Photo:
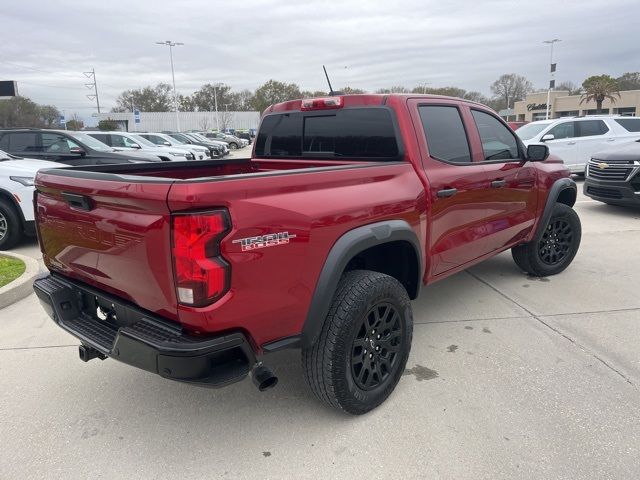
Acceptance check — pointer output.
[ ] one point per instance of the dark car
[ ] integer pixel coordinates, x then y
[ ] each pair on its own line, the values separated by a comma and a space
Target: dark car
72, 148
613, 176
244, 134
216, 149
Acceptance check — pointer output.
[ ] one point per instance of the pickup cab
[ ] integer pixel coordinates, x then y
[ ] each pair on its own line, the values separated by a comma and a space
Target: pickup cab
348, 207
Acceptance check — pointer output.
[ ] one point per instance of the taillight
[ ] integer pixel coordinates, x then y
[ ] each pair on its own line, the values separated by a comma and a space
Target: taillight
202, 275
326, 103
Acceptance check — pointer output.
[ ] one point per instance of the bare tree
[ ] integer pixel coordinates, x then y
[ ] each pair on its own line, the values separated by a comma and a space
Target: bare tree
510, 88
204, 124
226, 119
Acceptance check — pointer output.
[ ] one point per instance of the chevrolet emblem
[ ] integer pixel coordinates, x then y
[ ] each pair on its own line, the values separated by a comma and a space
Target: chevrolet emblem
602, 165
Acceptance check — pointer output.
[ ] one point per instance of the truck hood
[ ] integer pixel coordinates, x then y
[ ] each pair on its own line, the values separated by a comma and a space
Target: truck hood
628, 151
26, 166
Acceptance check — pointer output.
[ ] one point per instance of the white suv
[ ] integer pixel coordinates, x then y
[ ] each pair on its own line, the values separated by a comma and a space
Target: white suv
124, 141
16, 196
576, 139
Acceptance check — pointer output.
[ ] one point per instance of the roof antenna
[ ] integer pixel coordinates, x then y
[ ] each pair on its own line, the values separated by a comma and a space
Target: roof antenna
331, 92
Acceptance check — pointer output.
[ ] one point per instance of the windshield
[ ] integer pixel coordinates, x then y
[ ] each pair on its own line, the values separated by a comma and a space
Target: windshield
91, 142
200, 137
527, 132
173, 140
143, 141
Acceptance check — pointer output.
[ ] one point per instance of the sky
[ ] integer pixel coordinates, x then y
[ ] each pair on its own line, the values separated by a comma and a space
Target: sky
47, 45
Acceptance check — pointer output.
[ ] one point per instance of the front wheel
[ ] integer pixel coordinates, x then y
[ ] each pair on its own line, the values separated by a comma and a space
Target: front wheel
557, 247
10, 226
233, 146
365, 341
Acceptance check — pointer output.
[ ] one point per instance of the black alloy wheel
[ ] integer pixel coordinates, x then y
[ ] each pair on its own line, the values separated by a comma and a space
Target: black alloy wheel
556, 242
376, 347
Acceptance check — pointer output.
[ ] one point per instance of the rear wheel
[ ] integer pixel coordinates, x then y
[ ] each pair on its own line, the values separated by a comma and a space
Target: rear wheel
557, 247
365, 341
233, 146
10, 226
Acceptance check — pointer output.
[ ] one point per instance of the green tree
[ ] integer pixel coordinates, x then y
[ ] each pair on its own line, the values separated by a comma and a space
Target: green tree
629, 81
394, 89
274, 92
147, 99
351, 91
241, 101
107, 125
510, 88
599, 88
23, 112
75, 124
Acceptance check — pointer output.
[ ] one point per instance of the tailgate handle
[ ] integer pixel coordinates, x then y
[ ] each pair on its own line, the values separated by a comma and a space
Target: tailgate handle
78, 201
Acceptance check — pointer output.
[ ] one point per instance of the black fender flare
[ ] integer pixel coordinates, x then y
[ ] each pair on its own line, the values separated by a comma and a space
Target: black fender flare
554, 192
346, 247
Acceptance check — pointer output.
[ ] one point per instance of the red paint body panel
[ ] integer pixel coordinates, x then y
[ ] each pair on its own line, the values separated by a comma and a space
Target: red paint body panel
123, 245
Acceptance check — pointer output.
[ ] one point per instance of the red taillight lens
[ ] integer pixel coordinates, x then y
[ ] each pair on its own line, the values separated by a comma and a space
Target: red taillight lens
326, 103
202, 275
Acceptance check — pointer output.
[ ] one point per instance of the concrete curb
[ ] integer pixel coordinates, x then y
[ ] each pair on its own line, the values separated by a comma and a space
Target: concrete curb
21, 286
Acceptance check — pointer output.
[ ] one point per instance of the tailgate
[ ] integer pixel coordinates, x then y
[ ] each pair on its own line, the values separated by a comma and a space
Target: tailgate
111, 234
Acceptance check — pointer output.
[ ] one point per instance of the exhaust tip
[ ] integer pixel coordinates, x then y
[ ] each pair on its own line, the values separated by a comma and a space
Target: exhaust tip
263, 378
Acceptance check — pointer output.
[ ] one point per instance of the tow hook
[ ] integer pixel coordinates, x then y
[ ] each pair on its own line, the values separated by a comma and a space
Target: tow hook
262, 377
89, 353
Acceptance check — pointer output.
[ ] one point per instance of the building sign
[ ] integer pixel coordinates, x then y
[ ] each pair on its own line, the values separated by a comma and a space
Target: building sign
536, 106
136, 116
8, 88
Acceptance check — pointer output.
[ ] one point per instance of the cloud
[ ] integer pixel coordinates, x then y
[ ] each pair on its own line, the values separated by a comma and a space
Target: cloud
464, 43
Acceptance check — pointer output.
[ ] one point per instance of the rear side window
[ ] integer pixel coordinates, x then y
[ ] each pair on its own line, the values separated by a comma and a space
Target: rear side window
589, 128
356, 133
103, 137
629, 124
444, 130
22, 142
498, 141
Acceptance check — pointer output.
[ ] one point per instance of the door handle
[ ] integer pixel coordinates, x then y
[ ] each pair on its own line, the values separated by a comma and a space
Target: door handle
498, 183
571, 143
611, 139
447, 192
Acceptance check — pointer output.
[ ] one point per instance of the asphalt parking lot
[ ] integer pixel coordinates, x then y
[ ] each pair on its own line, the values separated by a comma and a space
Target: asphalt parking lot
509, 377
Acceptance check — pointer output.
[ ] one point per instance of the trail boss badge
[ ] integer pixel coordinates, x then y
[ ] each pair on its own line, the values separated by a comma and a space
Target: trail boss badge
263, 241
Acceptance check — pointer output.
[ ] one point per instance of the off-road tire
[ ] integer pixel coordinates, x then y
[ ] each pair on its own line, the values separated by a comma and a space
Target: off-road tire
535, 258
362, 296
9, 220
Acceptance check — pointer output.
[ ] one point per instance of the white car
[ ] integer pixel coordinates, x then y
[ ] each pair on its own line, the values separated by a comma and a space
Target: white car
164, 140
576, 139
123, 141
16, 196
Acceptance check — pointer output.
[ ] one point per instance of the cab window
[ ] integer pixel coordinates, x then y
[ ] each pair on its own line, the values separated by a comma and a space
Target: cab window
498, 141
445, 134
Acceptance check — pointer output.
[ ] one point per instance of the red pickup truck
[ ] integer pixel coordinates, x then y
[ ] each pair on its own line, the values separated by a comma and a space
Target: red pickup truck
349, 204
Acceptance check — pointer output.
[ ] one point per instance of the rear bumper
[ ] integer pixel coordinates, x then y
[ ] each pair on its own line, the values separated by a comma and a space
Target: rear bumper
135, 337
616, 193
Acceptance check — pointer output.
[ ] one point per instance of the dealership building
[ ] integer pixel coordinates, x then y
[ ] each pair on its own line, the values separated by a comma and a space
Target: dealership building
534, 106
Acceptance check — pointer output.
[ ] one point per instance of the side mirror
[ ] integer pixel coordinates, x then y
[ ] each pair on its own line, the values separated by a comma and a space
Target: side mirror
548, 136
134, 145
77, 151
537, 153
166, 144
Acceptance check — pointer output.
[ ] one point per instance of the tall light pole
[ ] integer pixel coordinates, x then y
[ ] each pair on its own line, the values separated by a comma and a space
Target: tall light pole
171, 44
552, 71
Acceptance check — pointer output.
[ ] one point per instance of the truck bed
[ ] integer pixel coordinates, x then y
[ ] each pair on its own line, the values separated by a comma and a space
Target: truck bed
199, 170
